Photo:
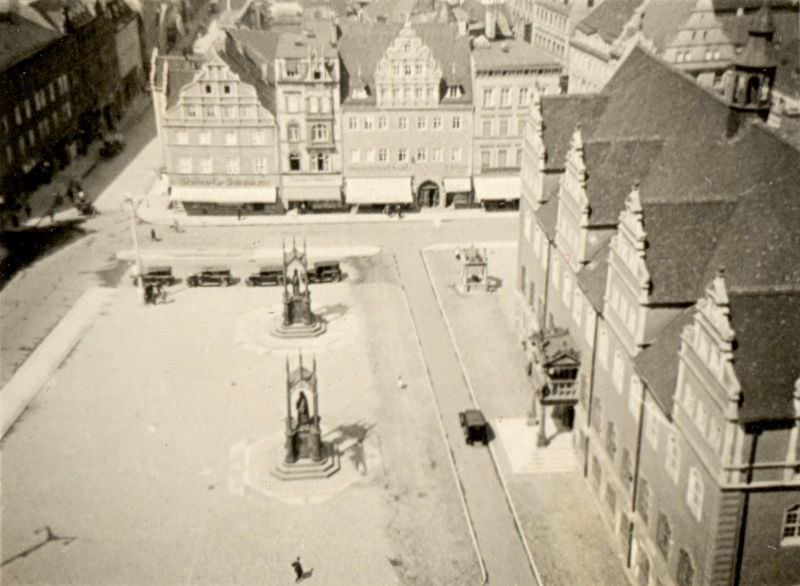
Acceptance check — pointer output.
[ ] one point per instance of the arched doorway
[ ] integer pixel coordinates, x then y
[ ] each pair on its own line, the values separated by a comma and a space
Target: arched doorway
428, 195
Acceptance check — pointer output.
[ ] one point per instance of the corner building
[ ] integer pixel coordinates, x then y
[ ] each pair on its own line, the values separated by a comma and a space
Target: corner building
646, 215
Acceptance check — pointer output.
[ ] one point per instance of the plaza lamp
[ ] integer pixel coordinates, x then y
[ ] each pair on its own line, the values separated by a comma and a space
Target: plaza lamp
132, 205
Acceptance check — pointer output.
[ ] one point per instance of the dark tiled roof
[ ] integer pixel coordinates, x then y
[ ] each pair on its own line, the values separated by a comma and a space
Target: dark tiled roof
609, 18
180, 72
21, 37
249, 72
561, 114
592, 277
511, 54
547, 215
260, 47
734, 5
657, 364
362, 46
681, 239
612, 168
767, 352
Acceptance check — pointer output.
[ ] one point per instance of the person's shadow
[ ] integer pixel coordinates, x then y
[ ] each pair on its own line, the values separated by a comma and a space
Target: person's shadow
307, 574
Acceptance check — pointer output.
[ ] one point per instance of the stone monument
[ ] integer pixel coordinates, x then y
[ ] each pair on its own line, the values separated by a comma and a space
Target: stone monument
297, 321
474, 269
305, 455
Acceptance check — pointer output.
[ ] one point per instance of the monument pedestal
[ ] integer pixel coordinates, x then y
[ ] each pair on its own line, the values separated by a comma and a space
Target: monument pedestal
307, 468
299, 330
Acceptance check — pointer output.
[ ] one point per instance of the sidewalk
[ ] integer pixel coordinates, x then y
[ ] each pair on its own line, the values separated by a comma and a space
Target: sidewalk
41, 201
155, 210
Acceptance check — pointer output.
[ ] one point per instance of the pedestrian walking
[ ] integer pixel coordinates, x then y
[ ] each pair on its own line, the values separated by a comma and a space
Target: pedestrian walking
298, 569
153, 236
239, 211
401, 384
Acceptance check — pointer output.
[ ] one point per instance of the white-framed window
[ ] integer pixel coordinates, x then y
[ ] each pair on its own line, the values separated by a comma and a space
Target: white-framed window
319, 132
260, 165
402, 155
790, 530
422, 122
182, 137
618, 370
402, 123
313, 104
229, 112
455, 155
232, 166
502, 159
537, 243
486, 128
672, 463
259, 137
503, 127
247, 112
369, 123
383, 122
689, 399
694, 493
419, 93
701, 418
352, 123
184, 165
488, 97
321, 162
292, 103
486, 159
436, 154
369, 155
210, 111
205, 137
577, 307
714, 433
635, 396
437, 123
207, 165
293, 132
422, 155
418, 67
456, 123
325, 104
383, 155
523, 96
230, 138
355, 156
406, 69
17, 114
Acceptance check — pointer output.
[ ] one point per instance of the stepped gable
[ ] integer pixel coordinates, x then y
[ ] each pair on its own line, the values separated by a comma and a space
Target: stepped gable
767, 352
609, 18
612, 167
657, 365
561, 114
681, 238
452, 53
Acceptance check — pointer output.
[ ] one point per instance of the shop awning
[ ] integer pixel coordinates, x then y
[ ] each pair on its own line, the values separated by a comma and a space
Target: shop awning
224, 195
311, 193
497, 188
457, 184
379, 190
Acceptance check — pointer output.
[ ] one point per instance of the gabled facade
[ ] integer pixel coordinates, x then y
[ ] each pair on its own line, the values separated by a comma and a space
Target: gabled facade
686, 397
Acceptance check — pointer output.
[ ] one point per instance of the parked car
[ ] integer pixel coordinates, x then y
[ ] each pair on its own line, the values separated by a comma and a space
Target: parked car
112, 146
267, 275
474, 425
157, 275
214, 276
325, 272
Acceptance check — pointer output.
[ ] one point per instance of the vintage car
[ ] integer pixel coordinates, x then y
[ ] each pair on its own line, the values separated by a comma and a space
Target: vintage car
268, 275
474, 425
325, 272
213, 276
161, 275
112, 146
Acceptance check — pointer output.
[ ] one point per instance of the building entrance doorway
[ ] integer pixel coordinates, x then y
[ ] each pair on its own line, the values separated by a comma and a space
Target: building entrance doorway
428, 195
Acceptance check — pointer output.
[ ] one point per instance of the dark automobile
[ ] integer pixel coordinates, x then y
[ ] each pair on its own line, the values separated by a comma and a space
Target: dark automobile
159, 275
214, 276
325, 272
112, 146
269, 275
474, 425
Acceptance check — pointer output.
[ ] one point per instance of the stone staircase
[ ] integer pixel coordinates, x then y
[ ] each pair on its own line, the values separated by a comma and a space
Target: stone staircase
518, 441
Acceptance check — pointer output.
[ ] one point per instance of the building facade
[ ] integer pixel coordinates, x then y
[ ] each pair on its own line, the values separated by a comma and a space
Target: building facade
688, 434
505, 77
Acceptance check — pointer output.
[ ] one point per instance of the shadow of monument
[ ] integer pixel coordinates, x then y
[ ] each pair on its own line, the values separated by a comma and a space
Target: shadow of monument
493, 283
353, 432
332, 312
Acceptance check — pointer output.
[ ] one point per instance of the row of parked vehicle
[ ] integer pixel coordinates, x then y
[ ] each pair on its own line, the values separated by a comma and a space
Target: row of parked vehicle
221, 276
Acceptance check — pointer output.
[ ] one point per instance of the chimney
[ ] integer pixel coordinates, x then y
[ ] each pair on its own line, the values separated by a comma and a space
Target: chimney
490, 23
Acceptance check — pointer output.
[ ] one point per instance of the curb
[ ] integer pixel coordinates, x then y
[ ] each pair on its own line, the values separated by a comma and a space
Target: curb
451, 458
38, 368
498, 470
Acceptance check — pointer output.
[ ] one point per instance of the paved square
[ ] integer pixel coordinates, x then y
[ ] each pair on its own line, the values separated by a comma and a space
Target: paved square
133, 455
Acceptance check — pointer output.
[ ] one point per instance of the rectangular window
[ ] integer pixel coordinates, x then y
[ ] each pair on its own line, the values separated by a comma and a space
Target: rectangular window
184, 165
230, 138
260, 165
504, 127
611, 440
27, 105
259, 137
597, 414
455, 155
229, 112
210, 111
663, 535
382, 123
233, 166
502, 158
618, 370
383, 155
17, 115
292, 103
486, 159
521, 126
456, 122
191, 111
205, 137
523, 96
369, 123
437, 122
486, 128
418, 93
183, 137
643, 500
505, 97
313, 105
488, 97
436, 155
651, 423
352, 123
206, 165
52, 90
293, 132
422, 155
355, 156
402, 123
422, 122
369, 155
402, 155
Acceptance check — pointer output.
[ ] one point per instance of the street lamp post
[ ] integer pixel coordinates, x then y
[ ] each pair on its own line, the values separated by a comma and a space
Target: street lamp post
132, 206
